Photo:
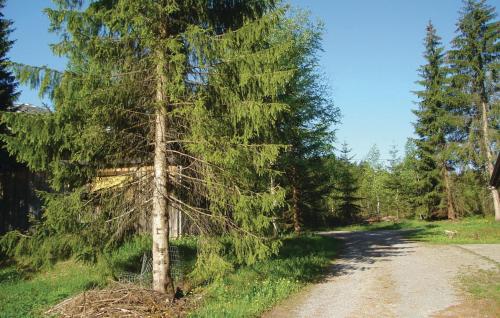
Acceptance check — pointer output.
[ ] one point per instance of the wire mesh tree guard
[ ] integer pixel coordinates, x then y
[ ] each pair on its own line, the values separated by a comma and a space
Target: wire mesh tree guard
145, 276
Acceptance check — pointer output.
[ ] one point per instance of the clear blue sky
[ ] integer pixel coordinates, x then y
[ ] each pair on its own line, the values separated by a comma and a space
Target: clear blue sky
372, 50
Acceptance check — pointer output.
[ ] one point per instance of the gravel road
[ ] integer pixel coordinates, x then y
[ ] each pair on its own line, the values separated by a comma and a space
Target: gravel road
381, 274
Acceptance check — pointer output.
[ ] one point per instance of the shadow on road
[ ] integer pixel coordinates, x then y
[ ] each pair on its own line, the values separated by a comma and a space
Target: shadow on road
362, 250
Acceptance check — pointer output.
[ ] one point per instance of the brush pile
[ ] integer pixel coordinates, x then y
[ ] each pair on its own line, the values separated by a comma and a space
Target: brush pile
119, 300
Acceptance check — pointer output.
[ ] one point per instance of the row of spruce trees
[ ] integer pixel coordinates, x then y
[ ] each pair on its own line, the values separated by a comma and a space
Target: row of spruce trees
459, 112
445, 171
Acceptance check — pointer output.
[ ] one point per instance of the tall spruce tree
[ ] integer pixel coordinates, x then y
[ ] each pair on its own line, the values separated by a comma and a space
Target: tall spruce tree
190, 88
307, 128
432, 128
8, 84
474, 65
8, 95
345, 195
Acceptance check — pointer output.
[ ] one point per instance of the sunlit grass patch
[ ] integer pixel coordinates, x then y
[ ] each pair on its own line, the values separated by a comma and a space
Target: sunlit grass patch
463, 231
483, 289
484, 284
21, 297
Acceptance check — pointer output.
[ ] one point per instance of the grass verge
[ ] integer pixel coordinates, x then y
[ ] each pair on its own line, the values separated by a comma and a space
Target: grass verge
468, 230
484, 288
481, 295
31, 297
484, 284
251, 290
247, 292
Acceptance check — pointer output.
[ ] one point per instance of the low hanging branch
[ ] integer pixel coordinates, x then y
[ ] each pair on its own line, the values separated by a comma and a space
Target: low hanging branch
43, 78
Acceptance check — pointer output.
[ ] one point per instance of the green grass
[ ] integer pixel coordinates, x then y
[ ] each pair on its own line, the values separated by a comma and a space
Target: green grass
484, 288
484, 284
469, 230
246, 292
251, 290
21, 297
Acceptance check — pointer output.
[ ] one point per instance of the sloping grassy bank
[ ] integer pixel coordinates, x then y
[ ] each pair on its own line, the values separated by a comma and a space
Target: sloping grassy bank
246, 292
467, 230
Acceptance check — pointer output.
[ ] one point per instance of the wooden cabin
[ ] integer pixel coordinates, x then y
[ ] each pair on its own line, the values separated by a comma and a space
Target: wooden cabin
18, 185
117, 177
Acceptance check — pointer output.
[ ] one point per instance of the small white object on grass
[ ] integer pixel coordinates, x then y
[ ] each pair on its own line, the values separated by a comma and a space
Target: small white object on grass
450, 234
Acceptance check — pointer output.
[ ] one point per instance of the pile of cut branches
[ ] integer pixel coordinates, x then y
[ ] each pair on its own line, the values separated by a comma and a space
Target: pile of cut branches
119, 300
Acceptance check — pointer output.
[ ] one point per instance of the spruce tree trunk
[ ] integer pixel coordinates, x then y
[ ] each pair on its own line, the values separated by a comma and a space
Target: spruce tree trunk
489, 158
450, 207
162, 280
295, 203
378, 205
397, 204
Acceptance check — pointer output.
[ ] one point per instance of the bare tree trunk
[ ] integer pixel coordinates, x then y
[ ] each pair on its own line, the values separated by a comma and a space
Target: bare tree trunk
162, 279
378, 205
489, 158
274, 219
397, 204
450, 207
295, 203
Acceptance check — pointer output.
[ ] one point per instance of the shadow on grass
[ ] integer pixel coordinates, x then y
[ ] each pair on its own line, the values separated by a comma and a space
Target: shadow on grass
9, 274
403, 226
302, 259
129, 257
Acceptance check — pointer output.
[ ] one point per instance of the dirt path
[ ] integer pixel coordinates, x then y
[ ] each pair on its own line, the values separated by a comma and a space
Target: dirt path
381, 274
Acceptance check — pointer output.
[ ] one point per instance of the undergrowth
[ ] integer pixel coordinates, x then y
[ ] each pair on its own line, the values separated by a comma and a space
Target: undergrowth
245, 292
251, 290
29, 294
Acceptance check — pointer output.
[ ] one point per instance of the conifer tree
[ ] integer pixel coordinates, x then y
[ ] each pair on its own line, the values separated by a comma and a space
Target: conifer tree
8, 95
347, 208
433, 128
307, 128
474, 66
193, 85
410, 177
8, 84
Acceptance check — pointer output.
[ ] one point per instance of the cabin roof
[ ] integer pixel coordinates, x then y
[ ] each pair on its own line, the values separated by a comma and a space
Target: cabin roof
28, 109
